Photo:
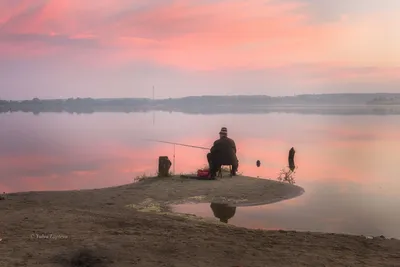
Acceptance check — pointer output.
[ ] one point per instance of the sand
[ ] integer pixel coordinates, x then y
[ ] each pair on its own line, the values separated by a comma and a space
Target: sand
132, 225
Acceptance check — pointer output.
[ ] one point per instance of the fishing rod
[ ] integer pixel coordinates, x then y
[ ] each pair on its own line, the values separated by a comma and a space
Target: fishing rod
178, 144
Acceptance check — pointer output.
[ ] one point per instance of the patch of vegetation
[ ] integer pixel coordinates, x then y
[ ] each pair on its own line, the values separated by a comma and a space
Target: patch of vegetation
170, 174
287, 175
198, 198
144, 176
149, 205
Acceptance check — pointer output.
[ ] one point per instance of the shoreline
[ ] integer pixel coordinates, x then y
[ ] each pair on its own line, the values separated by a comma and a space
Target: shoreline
133, 225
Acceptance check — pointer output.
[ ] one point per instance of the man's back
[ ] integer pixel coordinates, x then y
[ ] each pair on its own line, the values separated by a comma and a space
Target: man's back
225, 150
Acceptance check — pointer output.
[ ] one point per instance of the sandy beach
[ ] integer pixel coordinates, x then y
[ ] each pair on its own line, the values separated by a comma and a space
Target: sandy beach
132, 225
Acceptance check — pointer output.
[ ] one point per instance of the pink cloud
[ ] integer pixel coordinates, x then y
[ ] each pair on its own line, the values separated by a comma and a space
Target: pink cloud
201, 36
208, 36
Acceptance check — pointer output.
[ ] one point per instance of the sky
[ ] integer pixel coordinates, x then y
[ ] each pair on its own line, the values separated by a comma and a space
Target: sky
122, 48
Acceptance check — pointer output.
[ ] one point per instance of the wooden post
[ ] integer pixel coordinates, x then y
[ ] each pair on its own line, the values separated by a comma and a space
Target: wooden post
292, 166
163, 166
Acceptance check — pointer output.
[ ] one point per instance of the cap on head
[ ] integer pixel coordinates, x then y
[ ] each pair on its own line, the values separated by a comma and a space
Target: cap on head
223, 131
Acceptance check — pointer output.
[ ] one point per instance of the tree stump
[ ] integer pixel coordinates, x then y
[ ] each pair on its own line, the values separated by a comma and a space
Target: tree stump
163, 166
292, 166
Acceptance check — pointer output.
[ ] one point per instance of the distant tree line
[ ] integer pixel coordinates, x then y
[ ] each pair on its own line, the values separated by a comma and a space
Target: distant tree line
197, 104
382, 100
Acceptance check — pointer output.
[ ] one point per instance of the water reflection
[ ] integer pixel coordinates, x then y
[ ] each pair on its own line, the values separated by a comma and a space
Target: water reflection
59, 151
348, 164
337, 209
223, 212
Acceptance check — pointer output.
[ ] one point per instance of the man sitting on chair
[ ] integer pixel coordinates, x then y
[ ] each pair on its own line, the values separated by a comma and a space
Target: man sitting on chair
223, 152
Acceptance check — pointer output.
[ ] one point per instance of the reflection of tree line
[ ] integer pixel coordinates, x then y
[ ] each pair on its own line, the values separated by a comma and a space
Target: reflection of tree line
226, 110
75, 105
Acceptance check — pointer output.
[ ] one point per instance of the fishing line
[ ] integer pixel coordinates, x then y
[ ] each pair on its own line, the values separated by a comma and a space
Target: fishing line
174, 161
175, 144
178, 144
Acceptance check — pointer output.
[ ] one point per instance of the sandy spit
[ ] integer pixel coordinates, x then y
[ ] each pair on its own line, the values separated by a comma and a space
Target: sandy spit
132, 225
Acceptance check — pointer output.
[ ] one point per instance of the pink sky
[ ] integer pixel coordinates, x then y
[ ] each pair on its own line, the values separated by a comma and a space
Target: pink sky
121, 48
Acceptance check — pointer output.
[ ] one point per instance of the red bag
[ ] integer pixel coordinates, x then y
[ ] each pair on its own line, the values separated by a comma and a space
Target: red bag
203, 173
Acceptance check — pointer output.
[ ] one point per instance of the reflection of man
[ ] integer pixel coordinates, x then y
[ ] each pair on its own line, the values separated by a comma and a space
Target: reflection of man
223, 152
223, 211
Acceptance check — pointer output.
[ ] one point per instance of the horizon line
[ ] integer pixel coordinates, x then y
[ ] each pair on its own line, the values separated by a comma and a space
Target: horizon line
199, 96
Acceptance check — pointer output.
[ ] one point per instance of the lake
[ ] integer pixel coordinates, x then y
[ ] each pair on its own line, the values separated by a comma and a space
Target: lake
346, 164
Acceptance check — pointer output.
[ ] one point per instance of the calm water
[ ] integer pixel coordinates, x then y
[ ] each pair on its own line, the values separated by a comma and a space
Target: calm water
348, 165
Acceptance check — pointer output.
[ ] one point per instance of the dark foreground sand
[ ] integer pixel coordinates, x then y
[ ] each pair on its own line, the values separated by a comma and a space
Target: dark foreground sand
131, 226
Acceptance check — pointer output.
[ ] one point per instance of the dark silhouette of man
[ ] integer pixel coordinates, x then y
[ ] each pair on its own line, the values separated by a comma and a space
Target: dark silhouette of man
223, 152
223, 212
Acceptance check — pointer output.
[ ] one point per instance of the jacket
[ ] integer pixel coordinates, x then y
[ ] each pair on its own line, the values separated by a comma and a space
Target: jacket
224, 151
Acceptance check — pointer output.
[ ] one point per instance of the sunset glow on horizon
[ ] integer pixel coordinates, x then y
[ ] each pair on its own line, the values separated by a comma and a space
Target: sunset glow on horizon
51, 49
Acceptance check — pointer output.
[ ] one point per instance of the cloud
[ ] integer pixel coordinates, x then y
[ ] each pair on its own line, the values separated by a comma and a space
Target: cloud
22, 18
312, 42
52, 39
210, 35
328, 11
254, 34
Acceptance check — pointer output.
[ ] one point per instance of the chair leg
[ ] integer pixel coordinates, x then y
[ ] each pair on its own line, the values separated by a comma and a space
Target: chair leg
220, 172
